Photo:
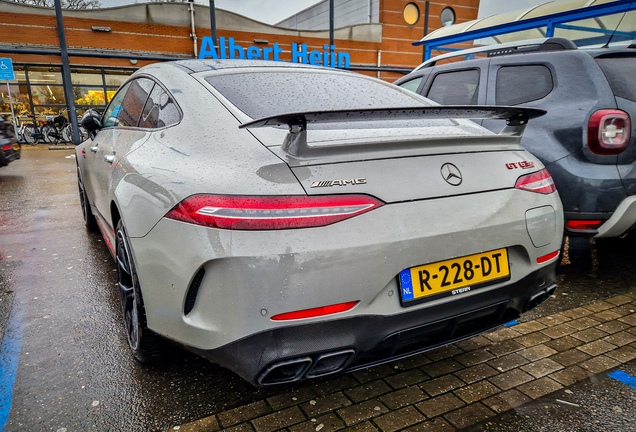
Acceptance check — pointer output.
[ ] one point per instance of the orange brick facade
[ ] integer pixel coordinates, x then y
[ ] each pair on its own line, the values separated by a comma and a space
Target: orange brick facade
38, 31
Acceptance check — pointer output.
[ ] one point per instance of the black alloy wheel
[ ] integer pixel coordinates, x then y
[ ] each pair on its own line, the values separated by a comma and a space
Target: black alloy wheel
147, 346
87, 214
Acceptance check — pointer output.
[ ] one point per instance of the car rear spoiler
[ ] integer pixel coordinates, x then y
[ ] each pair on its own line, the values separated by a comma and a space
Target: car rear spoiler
295, 143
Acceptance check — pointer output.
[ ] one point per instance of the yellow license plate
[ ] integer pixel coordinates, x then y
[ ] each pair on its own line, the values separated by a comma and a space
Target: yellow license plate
454, 276
16, 146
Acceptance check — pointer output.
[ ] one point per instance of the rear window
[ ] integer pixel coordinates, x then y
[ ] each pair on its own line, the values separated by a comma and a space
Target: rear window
266, 94
455, 88
620, 72
521, 84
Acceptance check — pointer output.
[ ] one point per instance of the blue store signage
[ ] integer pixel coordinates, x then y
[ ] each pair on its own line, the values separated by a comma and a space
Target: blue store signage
327, 58
6, 69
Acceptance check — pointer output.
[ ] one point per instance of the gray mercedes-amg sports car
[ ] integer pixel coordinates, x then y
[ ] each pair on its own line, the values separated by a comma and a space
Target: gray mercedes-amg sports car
290, 222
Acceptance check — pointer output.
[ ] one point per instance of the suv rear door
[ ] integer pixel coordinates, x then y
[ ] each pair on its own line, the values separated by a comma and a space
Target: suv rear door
528, 81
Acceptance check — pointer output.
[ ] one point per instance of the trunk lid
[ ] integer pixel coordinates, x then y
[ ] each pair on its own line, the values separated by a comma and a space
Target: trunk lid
403, 164
400, 154
417, 177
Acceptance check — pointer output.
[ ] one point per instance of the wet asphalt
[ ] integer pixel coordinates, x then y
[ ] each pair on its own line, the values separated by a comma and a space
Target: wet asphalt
75, 373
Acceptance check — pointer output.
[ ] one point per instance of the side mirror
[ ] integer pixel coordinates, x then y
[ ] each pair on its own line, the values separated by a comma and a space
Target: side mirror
91, 122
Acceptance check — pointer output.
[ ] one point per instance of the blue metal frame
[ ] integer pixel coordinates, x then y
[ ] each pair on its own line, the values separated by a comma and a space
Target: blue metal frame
551, 22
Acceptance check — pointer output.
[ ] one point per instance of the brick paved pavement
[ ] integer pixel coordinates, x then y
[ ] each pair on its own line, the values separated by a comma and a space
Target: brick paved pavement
455, 386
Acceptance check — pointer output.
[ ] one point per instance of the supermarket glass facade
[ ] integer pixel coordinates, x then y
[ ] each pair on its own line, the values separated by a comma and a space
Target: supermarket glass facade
38, 90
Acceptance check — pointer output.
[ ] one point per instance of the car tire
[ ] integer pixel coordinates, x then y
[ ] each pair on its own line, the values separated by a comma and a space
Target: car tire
89, 219
146, 345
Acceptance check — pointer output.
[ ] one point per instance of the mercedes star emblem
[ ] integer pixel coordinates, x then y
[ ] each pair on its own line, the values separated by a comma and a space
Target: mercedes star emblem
451, 174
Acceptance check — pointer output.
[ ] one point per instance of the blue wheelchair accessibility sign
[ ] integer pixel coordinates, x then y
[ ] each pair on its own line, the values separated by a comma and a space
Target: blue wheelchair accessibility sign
6, 69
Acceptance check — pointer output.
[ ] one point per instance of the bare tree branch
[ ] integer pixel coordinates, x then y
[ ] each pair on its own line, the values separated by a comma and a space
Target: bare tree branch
66, 4
162, 1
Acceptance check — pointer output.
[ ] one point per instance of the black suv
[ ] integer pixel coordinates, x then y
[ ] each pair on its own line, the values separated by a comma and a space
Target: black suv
587, 140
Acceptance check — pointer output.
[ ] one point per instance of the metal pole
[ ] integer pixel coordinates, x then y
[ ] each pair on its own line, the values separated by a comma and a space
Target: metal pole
15, 128
426, 6
193, 35
66, 73
213, 22
330, 24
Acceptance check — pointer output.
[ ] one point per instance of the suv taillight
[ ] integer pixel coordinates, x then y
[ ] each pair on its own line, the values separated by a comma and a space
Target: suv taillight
270, 212
608, 132
583, 224
540, 182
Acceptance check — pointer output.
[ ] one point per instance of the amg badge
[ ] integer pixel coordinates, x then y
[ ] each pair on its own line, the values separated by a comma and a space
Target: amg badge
327, 183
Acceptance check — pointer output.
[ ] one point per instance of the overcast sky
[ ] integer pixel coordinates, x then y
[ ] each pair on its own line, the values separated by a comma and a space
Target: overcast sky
267, 11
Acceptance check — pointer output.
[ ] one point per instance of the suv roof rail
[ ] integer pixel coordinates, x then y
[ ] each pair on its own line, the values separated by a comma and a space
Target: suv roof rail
518, 47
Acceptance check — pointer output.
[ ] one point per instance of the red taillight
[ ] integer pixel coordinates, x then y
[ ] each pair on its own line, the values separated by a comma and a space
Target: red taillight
583, 224
540, 182
608, 132
267, 213
548, 257
319, 311
7, 147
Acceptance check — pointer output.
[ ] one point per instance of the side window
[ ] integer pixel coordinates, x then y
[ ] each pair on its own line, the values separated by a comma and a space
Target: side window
109, 119
159, 111
134, 101
455, 88
412, 85
520, 84
125, 108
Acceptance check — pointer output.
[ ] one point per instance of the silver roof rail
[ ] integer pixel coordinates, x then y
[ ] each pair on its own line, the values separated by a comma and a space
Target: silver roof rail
550, 44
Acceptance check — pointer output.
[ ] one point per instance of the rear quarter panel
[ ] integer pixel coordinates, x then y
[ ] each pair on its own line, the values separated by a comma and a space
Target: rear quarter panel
205, 153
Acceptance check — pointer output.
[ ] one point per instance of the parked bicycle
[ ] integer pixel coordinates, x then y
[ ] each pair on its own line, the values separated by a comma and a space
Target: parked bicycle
31, 133
54, 128
57, 129
67, 132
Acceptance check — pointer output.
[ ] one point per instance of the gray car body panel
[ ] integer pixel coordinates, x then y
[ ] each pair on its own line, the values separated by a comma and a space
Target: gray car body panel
253, 275
357, 259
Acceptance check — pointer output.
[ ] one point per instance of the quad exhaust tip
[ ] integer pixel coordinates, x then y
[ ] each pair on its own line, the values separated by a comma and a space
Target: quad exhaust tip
293, 370
539, 298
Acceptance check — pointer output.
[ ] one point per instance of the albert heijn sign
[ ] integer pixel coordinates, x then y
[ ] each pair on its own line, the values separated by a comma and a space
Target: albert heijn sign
327, 57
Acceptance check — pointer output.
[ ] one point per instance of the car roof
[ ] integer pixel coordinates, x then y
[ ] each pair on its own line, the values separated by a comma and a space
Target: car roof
194, 66
544, 45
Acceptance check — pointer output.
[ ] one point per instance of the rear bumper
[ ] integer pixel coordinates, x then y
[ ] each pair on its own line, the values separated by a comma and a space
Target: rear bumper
586, 187
9, 155
207, 288
622, 221
309, 350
